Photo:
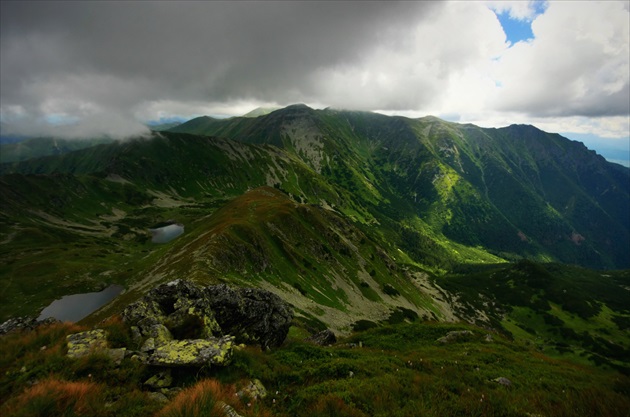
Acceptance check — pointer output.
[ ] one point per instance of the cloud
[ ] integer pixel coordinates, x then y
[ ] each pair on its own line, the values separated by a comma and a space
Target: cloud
577, 65
518, 10
94, 68
185, 51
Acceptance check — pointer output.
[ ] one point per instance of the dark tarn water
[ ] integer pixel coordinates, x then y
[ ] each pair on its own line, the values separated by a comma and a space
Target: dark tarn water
167, 233
77, 306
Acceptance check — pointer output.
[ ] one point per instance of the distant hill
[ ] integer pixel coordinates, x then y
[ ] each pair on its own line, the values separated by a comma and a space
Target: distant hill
23, 149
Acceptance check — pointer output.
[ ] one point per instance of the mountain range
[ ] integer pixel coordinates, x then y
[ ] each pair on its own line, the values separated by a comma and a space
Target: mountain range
355, 218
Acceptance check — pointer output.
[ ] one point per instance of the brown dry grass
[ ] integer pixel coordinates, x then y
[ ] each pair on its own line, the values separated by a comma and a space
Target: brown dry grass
53, 397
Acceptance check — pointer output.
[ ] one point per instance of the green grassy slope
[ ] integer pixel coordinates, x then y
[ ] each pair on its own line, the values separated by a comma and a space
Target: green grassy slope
515, 191
399, 370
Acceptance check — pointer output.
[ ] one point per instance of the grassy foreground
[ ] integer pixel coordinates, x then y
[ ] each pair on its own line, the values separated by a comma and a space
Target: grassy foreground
393, 370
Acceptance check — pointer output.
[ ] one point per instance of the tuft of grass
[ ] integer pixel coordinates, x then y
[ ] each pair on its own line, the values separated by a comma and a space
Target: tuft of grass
208, 398
53, 397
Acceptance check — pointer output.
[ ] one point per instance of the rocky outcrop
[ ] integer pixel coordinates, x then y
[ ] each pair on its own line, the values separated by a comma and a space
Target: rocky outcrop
183, 324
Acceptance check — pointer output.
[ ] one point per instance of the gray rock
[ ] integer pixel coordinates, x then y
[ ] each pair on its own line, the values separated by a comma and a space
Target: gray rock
24, 323
251, 315
323, 338
454, 336
503, 381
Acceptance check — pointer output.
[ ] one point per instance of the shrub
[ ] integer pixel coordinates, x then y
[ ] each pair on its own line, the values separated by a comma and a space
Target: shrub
391, 291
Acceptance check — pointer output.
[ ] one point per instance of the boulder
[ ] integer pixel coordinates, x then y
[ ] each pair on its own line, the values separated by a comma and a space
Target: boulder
83, 343
251, 315
92, 341
323, 338
183, 324
193, 352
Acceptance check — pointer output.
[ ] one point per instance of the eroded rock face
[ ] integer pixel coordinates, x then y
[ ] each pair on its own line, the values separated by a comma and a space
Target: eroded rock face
251, 315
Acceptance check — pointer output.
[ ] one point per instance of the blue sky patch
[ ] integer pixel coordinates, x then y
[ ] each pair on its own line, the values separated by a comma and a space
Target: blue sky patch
518, 30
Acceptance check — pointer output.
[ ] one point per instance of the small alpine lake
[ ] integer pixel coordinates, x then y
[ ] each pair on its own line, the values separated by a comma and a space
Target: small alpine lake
77, 306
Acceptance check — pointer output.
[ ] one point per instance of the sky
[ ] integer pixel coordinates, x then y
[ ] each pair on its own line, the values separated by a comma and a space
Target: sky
84, 69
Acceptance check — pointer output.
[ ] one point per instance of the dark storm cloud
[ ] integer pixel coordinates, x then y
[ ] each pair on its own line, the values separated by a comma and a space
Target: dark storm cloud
195, 50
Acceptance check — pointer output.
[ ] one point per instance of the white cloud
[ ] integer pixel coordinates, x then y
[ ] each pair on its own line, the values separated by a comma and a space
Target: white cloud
577, 64
518, 10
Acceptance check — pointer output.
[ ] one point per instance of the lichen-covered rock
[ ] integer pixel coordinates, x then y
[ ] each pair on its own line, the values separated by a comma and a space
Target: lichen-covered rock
84, 343
323, 338
455, 335
176, 310
193, 352
251, 315
162, 379
254, 390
